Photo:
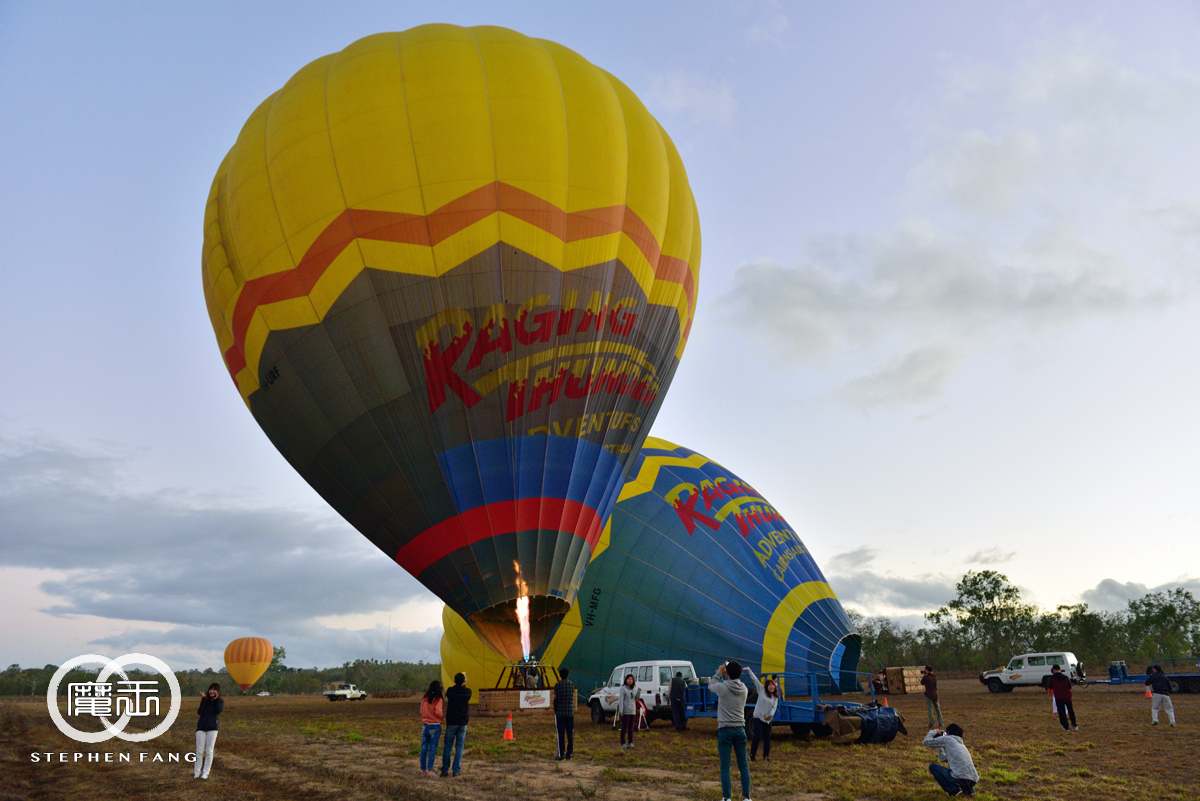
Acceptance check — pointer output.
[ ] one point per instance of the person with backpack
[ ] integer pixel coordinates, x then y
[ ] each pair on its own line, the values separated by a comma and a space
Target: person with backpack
458, 713
1060, 686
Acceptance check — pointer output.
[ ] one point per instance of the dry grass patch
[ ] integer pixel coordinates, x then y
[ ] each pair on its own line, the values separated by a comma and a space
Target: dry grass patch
304, 747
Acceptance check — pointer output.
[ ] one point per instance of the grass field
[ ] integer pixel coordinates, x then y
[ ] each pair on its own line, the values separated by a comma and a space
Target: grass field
306, 747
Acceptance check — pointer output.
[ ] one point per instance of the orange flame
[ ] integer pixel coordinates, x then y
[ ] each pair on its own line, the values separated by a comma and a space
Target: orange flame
523, 619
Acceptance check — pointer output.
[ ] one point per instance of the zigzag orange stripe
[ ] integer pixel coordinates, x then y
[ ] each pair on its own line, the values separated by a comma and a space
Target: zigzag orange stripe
430, 229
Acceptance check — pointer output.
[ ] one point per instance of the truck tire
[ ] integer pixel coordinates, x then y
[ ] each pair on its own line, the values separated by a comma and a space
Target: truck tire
821, 730
332, 697
801, 729
597, 712
1175, 685
1193, 686
995, 686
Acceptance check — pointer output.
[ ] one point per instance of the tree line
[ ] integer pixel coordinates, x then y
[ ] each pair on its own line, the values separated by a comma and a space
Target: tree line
369, 674
988, 622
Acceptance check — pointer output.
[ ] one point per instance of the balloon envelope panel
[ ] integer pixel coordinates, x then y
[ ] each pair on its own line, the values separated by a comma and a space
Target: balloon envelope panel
451, 272
247, 658
697, 565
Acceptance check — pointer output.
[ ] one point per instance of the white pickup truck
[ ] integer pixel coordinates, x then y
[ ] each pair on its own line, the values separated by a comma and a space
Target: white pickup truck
654, 679
346, 692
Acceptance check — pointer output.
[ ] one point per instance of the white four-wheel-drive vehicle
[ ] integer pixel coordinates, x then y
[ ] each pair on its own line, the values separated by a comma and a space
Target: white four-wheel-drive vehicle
654, 679
346, 692
1032, 670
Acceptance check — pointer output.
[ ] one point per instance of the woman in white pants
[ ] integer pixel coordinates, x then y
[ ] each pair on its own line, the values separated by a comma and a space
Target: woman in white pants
211, 704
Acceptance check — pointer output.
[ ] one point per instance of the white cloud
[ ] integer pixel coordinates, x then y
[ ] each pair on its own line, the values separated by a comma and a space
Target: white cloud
854, 581
767, 22
1111, 595
914, 377
703, 102
991, 556
892, 595
203, 572
860, 557
1061, 190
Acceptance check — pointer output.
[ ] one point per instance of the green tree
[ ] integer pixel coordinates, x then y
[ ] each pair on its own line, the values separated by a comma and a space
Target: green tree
280, 654
990, 615
1164, 624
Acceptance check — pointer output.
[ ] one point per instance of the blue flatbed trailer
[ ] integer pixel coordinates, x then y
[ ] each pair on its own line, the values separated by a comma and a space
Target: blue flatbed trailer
803, 712
1181, 682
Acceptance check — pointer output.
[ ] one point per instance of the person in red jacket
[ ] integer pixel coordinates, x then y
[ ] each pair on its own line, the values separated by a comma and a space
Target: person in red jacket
432, 713
1060, 685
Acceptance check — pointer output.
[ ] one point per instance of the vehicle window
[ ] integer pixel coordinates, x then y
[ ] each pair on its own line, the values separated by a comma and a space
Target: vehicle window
1056, 659
686, 670
646, 673
664, 675
1037, 660
616, 679
1016, 664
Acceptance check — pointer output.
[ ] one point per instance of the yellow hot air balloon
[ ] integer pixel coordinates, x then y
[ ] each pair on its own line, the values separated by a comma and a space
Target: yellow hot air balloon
247, 659
451, 272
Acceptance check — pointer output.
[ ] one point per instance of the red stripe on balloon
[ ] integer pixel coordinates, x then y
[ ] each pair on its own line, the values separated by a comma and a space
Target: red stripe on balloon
437, 226
502, 517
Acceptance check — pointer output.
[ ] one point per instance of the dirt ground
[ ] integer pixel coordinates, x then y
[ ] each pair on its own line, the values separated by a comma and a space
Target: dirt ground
306, 747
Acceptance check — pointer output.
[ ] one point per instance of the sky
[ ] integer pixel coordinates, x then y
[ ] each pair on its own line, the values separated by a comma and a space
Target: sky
948, 314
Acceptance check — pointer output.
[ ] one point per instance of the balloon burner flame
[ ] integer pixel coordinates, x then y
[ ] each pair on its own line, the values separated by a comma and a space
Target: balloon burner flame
523, 620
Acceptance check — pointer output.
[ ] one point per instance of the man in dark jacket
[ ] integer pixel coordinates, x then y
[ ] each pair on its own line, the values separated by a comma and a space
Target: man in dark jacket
677, 694
932, 704
458, 714
1060, 685
1160, 694
564, 714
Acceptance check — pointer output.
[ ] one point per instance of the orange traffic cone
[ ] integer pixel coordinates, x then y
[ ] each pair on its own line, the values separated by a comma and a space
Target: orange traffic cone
508, 732
885, 703
1148, 695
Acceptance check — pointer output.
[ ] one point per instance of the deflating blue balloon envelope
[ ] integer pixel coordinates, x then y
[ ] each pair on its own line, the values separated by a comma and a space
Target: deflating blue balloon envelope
694, 565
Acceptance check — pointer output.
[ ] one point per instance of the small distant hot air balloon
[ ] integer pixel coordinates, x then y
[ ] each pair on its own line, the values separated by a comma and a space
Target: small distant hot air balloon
451, 272
694, 565
247, 659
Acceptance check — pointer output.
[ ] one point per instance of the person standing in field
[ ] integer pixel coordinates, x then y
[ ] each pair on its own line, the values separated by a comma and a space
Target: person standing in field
764, 713
1160, 694
458, 699
932, 704
431, 726
731, 725
678, 694
565, 701
1060, 685
627, 697
960, 777
211, 705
